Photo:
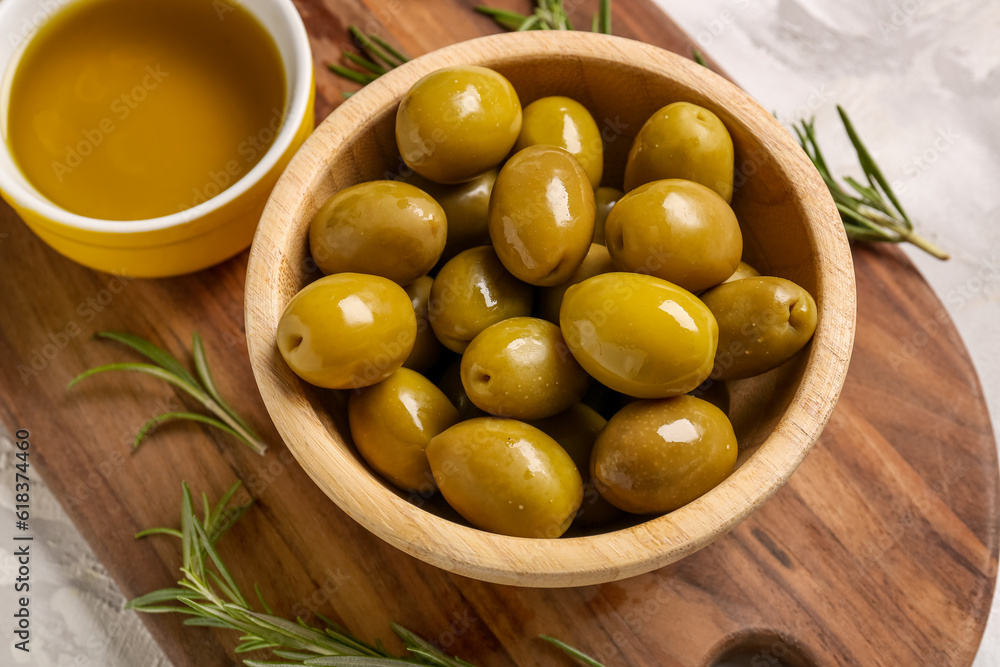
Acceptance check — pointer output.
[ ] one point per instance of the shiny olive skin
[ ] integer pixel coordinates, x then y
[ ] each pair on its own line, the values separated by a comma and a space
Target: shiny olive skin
385, 228
683, 140
763, 322
604, 200
676, 230
347, 331
427, 348
506, 477
576, 431
542, 215
466, 206
471, 292
521, 368
638, 334
596, 262
656, 456
392, 422
450, 383
457, 122
742, 271
564, 122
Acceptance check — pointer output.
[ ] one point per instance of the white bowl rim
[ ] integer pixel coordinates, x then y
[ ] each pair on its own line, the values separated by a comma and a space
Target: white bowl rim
298, 93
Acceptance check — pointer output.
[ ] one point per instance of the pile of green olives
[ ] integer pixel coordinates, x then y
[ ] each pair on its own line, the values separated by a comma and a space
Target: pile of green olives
540, 347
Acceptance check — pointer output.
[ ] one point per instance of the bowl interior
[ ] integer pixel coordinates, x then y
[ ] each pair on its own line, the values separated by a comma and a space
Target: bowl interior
790, 229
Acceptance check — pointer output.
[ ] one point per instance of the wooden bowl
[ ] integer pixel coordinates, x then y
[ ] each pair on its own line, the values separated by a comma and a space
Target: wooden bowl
791, 229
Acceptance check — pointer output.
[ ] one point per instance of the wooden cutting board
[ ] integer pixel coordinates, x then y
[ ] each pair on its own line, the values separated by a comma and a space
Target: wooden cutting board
882, 550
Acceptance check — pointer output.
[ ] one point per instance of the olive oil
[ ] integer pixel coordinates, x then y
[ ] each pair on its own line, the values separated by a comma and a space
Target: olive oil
128, 110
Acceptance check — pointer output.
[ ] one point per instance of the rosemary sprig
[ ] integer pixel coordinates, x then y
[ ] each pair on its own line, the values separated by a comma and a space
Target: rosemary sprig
210, 596
201, 388
873, 213
377, 57
548, 15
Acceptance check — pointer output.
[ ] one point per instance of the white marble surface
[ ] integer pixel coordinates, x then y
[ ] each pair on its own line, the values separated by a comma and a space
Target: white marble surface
921, 79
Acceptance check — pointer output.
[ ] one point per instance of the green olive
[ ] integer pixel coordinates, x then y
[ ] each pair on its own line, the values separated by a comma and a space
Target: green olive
426, 349
471, 292
348, 330
744, 270
715, 392
385, 228
639, 335
564, 122
506, 477
466, 206
763, 322
683, 140
392, 422
596, 262
576, 431
542, 215
604, 200
450, 383
656, 456
457, 122
521, 368
676, 230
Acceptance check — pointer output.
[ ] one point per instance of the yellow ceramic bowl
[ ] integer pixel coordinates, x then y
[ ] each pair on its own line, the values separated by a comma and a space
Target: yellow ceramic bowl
183, 242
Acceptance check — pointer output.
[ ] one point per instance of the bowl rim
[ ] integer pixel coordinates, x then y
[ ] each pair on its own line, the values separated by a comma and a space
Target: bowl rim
298, 66
577, 560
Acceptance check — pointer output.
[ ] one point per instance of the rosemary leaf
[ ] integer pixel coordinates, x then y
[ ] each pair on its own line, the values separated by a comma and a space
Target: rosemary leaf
569, 650
148, 369
204, 372
174, 416
198, 621
395, 56
506, 19
158, 531
357, 661
369, 65
352, 75
158, 356
156, 597
420, 646
603, 18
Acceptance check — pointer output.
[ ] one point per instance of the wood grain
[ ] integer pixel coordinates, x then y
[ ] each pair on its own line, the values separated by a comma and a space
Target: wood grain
881, 549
